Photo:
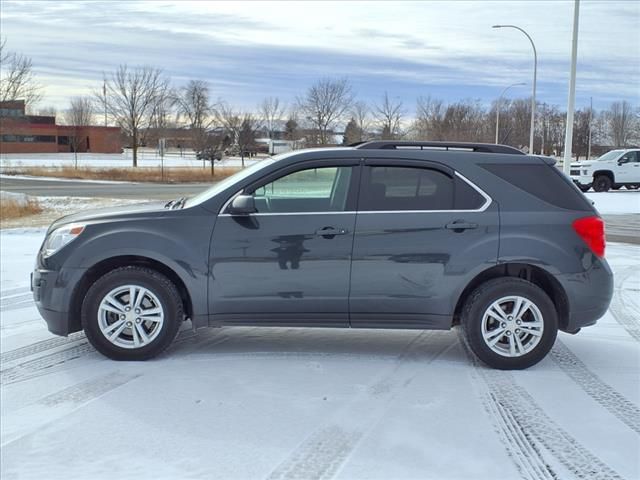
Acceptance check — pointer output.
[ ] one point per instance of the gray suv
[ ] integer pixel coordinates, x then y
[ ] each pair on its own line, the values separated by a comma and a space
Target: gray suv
422, 235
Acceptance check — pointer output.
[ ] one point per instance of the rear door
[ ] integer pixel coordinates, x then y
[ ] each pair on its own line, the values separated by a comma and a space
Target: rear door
422, 232
288, 263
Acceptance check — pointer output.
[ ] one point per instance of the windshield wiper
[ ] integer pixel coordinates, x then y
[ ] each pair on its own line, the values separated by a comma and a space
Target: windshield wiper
178, 203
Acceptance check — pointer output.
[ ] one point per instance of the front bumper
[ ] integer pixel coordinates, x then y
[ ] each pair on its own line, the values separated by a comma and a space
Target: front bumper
582, 180
52, 294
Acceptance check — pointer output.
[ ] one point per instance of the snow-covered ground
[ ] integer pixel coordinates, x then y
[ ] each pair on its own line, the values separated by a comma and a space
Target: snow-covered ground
245, 403
616, 202
146, 158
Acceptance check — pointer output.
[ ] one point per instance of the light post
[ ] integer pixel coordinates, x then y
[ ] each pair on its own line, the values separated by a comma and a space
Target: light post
498, 107
535, 74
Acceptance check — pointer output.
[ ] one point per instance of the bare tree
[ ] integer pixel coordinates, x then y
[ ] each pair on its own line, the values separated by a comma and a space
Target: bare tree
621, 123
193, 103
132, 96
361, 115
429, 119
17, 79
272, 112
247, 136
79, 115
325, 103
240, 128
230, 120
389, 115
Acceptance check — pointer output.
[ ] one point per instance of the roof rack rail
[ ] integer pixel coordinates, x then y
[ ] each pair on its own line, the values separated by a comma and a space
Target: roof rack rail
474, 147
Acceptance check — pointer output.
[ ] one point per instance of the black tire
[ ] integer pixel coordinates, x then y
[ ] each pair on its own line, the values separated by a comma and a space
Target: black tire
479, 302
602, 183
584, 188
633, 186
164, 290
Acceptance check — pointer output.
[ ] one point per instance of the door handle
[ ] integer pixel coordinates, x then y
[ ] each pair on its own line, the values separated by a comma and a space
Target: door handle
330, 232
460, 226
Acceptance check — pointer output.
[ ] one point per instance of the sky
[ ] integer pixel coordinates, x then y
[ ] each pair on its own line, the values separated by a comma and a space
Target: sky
247, 51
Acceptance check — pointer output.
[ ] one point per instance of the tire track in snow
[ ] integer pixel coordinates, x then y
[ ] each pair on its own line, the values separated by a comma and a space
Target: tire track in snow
60, 404
44, 364
322, 454
88, 390
16, 302
614, 402
530, 434
619, 309
40, 346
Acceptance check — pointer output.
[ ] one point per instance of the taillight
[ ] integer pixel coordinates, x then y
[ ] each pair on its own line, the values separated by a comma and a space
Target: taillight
591, 230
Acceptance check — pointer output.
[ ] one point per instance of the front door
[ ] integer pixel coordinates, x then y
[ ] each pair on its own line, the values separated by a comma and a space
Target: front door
421, 233
628, 170
290, 261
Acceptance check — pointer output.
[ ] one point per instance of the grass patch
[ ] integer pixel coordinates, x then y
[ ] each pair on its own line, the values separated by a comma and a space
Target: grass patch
130, 174
18, 208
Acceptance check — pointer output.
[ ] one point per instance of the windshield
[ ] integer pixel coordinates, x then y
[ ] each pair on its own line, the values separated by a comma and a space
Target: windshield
227, 182
612, 155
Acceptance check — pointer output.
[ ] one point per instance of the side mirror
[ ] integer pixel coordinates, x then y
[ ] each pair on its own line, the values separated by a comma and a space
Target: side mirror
242, 205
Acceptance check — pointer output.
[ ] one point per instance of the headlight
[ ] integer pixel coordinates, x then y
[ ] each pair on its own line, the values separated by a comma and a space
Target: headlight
60, 237
585, 172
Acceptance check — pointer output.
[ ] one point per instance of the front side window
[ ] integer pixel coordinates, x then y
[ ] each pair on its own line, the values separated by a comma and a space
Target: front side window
629, 157
323, 189
406, 188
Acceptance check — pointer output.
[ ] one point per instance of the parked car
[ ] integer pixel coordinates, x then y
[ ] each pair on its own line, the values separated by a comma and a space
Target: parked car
383, 235
209, 154
613, 170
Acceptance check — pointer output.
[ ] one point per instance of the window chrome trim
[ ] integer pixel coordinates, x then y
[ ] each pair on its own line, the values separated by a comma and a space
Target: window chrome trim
487, 203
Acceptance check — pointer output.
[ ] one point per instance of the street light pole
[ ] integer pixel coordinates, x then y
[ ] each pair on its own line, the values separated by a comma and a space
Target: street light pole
498, 107
568, 137
535, 75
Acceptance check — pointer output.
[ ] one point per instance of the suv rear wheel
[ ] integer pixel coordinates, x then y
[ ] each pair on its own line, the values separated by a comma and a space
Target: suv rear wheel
132, 313
509, 323
602, 183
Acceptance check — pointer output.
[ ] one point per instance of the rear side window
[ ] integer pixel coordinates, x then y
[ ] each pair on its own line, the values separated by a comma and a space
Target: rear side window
406, 188
542, 181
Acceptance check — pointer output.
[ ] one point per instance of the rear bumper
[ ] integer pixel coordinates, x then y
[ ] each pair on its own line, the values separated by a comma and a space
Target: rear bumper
589, 295
52, 294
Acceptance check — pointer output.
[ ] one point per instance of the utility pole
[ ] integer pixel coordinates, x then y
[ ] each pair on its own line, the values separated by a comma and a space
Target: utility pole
590, 119
568, 137
104, 96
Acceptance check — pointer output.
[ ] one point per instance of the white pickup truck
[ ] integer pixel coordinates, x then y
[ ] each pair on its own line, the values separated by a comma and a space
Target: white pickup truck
612, 170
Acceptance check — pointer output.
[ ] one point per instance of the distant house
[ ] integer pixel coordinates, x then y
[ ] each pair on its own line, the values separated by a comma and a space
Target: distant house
22, 133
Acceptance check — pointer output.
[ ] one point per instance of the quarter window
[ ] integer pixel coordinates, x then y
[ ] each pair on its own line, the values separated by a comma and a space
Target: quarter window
322, 189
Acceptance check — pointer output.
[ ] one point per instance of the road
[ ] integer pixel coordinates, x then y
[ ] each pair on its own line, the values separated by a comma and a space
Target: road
72, 188
620, 228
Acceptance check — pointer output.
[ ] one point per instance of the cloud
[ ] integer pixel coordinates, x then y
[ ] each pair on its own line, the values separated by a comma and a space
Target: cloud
250, 50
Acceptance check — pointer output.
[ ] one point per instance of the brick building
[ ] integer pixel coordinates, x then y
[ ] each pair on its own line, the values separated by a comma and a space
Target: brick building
22, 133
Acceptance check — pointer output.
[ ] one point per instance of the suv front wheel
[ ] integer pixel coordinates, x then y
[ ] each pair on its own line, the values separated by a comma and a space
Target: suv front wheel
510, 323
132, 313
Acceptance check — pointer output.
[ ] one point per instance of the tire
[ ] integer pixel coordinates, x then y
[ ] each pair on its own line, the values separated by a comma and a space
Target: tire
633, 186
584, 188
504, 292
151, 333
602, 183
